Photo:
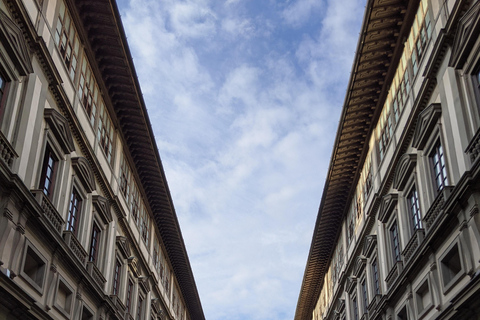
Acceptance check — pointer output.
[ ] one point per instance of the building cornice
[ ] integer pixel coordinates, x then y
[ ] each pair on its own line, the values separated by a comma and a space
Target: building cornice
107, 41
385, 27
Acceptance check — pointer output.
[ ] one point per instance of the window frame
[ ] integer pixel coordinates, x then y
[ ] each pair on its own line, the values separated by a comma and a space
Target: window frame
62, 281
425, 309
49, 153
77, 217
414, 217
454, 279
34, 284
117, 277
95, 247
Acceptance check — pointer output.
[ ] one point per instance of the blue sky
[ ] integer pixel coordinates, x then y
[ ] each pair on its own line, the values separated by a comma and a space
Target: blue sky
244, 97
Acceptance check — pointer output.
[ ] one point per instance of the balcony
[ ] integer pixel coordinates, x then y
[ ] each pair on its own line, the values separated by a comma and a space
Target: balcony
7, 153
394, 273
48, 211
435, 210
96, 274
413, 244
75, 246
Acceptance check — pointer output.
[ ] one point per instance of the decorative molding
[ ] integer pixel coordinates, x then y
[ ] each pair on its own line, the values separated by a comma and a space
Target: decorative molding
144, 283
133, 264
350, 284
85, 173
369, 245
340, 307
427, 119
102, 207
359, 265
123, 246
404, 169
59, 125
389, 203
467, 34
11, 37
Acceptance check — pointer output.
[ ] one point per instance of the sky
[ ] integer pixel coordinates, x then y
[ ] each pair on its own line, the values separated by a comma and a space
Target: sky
244, 97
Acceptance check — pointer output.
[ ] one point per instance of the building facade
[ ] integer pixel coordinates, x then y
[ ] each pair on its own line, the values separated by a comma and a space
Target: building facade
87, 225
398, 230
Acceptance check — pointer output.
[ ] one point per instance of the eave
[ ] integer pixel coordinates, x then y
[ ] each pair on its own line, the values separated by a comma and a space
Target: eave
385, 27
107, 41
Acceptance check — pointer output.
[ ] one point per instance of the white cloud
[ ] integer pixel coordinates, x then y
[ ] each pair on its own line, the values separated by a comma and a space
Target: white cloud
245, 123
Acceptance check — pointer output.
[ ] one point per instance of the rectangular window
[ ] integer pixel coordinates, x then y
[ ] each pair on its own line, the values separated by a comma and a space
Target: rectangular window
128, 302
3, 94
116, 277
376, 282
364, 296
140, 308
95, 239
66, 38
105, 132
74, 212
49, 170
125, 178
144, 224
414, 208
395, 242
355, 308
88, 90
437, 161
135, 202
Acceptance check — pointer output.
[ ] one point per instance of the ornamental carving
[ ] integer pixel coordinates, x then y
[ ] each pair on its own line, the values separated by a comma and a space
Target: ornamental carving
123, 246
467, 34
405, 167
102, 207
59, 126
369, 245
359, 266
84, 173
11, 37
427, 119
389, 202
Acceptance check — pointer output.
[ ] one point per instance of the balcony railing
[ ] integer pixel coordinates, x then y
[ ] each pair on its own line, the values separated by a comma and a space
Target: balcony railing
48, 210
473, 149
7, 153
435, 210
413, 244
394, 273
75, 246
96, 274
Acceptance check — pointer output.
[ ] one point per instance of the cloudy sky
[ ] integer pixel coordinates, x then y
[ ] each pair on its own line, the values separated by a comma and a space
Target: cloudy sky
244, 97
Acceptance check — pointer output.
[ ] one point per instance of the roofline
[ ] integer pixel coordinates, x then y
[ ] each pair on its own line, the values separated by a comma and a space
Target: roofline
308, 297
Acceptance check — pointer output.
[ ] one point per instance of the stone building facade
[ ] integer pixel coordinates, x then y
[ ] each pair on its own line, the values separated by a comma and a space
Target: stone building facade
87, 225
398, 230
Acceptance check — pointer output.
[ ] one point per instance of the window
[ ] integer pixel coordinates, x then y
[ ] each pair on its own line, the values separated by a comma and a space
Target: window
128, 302
355, 308
451, 266
423, 298
88, 91
66, 38
364, 295
376, 283
116, 278
74, 212
414, 208
125, 178
144, 225
95, 239
3, 94
86, 314
402, 314
49, 170
351, 222
64, 297
34, 267
135, 202
105, 132
140, 307
394, 241
437, 161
